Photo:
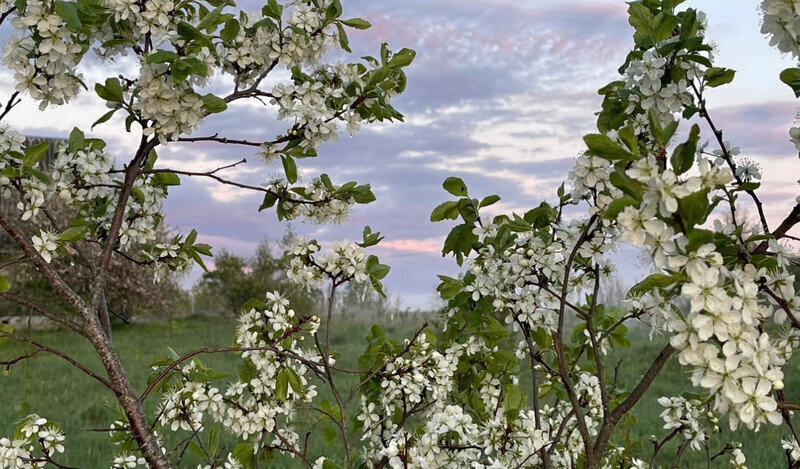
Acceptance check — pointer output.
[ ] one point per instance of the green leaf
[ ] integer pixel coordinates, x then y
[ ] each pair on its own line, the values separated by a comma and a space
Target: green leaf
211, 19
513, 399
445, 210
618, 205
653, 281
362, 194
379, 271
230, 31
165, 178
246, 370
34, 154
670, 130
268, 202
625, 184
640, 17
105, 117
449, 287
683, 156
655, 127
214, 104
334, 10
718, 76
192, 65
402, 58
694, 208
111, 91
459, 242
489, 200
344, 43
77, 141
68, 11
189, 32
282, 385
294, 381
243, 452
190, 238
5, 285
493, 331
603, 147
162, 56
357, 23
290, 168
747, 186
455, 186
273, 10
73, 234
39, 175
791, 76
369, 238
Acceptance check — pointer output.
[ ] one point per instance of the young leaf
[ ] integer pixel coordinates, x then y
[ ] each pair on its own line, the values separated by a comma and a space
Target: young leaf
68, 11
344, 43
445, 210
357, 23
603, 147
402, 58
34, 154
161, 56
73, 234
718, 76
683, 156
164, 178
214, 104
489, 200
290, 168
455, 186
791, 76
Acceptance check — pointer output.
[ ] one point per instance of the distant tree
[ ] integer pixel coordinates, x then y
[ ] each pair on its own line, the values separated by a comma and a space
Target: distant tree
236, 279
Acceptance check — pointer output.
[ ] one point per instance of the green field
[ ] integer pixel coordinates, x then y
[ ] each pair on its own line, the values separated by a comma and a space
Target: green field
51, 388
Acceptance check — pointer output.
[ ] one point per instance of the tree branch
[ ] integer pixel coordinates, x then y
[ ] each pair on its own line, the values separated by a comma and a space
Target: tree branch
57, 353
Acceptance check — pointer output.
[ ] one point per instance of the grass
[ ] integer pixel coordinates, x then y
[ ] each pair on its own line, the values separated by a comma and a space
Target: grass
48, 386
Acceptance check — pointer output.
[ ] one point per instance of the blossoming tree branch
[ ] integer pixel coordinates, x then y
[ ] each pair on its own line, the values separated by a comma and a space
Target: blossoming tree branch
526, 309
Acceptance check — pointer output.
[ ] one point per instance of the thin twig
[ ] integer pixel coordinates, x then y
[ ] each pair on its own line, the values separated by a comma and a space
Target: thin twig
64, 356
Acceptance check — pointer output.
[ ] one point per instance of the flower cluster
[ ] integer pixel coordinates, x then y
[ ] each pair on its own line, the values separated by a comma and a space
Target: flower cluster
35, 441
128, 461
82, 176
271, 386
781, 23
44, 54
346, 261
685, 415
514, 276
644, 77
171, 108
32, 191
320, 202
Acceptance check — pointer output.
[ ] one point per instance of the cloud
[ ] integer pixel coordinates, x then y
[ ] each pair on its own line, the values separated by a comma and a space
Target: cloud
405, 246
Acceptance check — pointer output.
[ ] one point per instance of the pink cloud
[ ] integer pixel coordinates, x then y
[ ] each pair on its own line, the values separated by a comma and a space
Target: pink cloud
425, 245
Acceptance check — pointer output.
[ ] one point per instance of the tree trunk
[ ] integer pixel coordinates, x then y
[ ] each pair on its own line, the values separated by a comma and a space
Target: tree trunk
126, 395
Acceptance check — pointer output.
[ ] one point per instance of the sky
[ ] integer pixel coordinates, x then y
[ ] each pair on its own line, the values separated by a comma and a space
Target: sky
500, 95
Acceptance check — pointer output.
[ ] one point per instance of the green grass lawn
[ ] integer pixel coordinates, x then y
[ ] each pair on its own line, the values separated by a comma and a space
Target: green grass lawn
48, 386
